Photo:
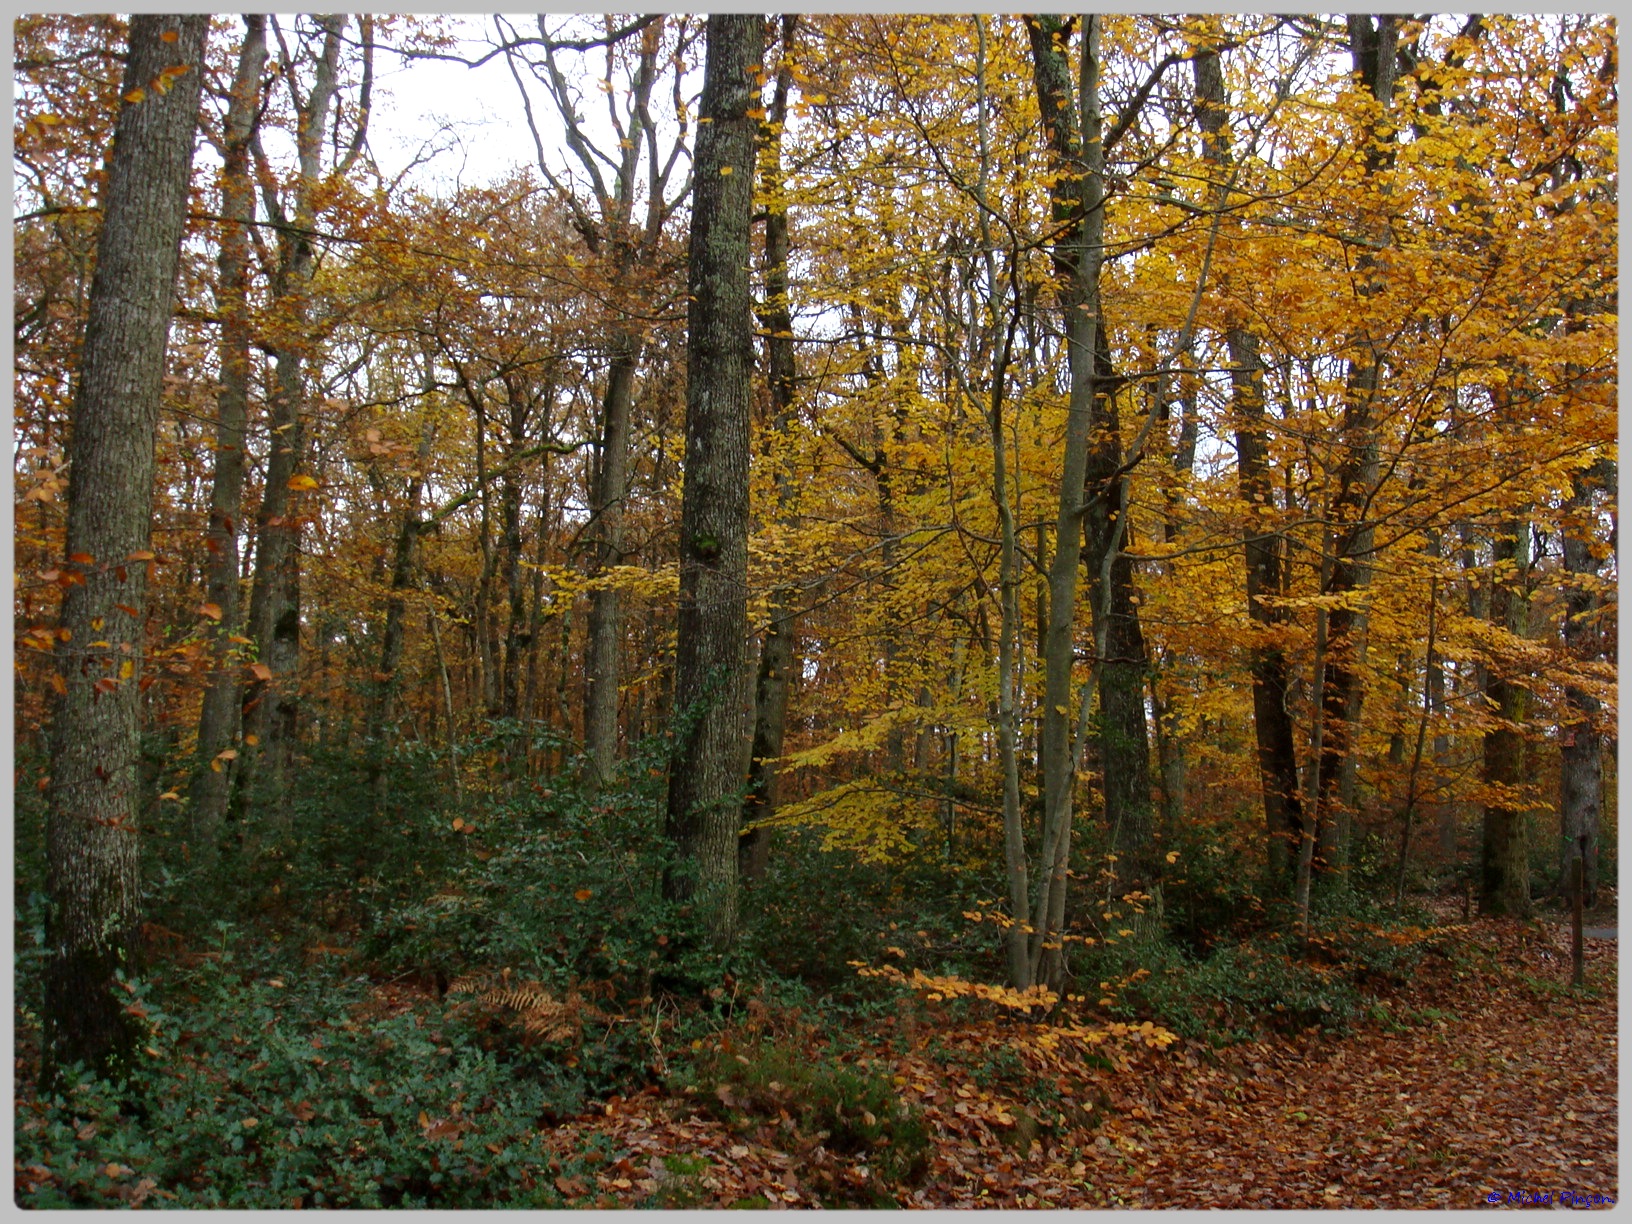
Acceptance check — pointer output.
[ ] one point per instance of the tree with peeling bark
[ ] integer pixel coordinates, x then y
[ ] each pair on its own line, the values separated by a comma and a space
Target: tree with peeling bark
709, 755
92, 834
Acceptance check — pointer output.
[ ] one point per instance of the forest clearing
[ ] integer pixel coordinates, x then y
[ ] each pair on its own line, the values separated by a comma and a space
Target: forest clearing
897, 610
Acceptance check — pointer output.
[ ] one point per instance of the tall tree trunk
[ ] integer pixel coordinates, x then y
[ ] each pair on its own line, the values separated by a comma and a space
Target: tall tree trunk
271, 705
776, 652
1271, 674
710, 698
1077, 195
219, 715
604, 626
1124, 669
1016, 868
1373, 46
381, 707
1581, 776
1504, 858
515, 632
92, 872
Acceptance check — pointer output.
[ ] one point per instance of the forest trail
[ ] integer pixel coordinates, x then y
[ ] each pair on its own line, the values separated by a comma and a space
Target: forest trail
1504, 1084
1481, 1075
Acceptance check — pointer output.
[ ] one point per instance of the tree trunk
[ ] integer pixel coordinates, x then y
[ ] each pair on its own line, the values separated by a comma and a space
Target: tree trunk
1077, 195
1374, 50
1504, 858
271, 705
1581, 776
1272, 722
93, 881
1124, 735
776, 652
396, 613
604, 626
710, 699
219, 715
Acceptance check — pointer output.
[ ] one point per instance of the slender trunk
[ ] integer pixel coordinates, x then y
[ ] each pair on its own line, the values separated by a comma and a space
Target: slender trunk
535, 621
710, 698
1414, 773
604, 627
1124, 736
93, 879
515, 594
1504, 859
380, 709
777, 650
1016, 868
1077, 203
1270, 670
1581, 777
1373, 47
271, 704
447, 697
219, 715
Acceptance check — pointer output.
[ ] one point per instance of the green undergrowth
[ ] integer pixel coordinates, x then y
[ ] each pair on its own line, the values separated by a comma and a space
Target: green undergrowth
852, 1109
271, 1085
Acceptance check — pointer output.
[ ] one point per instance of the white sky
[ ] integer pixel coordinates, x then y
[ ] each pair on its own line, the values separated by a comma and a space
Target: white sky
472, 116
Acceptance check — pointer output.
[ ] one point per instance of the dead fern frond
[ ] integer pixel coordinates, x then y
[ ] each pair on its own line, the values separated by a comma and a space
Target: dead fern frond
539, 1013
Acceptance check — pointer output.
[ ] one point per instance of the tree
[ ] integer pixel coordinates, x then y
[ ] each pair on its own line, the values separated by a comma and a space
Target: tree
1071, 118
776, 652
271, 702
219, 714
92, 847
710, 698
1272, 720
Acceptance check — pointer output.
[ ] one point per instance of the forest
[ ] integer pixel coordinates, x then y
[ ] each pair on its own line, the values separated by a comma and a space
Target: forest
910, 610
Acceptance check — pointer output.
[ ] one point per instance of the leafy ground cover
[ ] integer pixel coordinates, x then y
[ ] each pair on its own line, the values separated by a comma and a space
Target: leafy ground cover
1477, 1072
1504, 1081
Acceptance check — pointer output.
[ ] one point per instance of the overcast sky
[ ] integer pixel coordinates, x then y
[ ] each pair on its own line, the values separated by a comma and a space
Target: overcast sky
471, 116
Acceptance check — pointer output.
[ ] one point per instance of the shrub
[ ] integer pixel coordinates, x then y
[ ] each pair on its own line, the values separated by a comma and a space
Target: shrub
266, 1088
852, 1109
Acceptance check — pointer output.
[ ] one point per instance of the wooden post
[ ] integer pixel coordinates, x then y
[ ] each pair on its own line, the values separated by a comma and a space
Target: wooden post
1578, 891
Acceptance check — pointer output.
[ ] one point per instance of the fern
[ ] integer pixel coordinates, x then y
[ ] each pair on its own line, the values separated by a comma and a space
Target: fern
539, 1013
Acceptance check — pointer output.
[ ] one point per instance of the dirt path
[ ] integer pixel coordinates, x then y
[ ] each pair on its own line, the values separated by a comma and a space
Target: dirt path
1498, 1086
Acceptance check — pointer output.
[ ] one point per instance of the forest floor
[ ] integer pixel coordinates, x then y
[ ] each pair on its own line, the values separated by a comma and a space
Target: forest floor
1482, 1078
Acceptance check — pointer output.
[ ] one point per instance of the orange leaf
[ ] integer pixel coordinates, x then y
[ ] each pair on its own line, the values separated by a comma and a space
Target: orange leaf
583, 894
302, 481
135, 96
260, 671
213, 611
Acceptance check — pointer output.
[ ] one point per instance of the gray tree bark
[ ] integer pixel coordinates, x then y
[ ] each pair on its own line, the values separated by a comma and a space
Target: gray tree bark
1581, 769
92, 876
271, 706
776, 652
1504, 853
1373, 46
710, 698
219, 715
1077, 158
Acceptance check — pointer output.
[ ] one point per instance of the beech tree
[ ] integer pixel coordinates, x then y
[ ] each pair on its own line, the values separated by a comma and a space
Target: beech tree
710, 692
93, 880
